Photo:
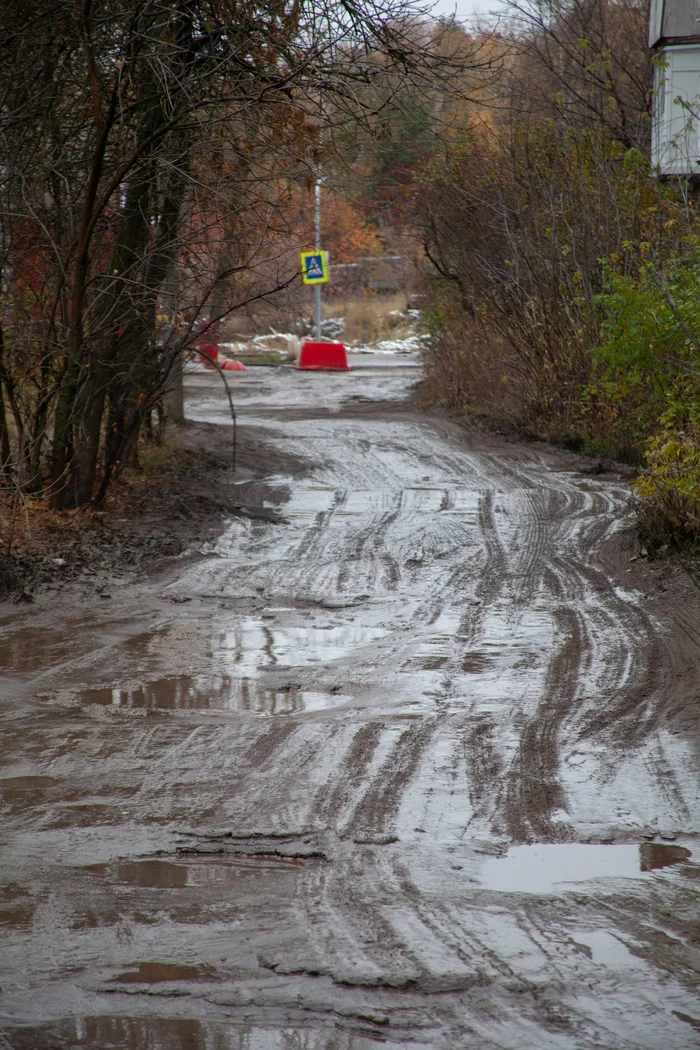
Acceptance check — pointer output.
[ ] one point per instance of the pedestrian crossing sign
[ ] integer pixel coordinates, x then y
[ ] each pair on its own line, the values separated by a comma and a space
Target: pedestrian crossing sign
314, 267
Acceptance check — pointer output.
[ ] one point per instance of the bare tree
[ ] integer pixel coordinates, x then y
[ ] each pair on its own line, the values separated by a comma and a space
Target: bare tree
134, 136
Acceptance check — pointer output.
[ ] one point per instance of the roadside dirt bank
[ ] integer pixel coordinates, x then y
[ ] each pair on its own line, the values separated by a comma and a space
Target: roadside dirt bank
407, 753
180, 498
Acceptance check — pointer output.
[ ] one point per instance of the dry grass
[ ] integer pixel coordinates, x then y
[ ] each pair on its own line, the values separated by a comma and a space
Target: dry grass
370, 318
471, 367
26, 520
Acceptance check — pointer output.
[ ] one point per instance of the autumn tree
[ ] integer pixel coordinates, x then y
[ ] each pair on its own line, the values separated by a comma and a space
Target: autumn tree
526, 215
148, 151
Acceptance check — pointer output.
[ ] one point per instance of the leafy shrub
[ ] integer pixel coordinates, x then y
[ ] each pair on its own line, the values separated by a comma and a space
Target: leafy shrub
647, 362
668, 490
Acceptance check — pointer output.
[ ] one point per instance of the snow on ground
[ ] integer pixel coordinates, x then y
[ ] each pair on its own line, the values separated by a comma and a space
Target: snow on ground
332, 328
410, 344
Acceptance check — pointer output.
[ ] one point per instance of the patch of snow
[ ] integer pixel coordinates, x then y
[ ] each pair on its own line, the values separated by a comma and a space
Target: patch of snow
233, 348
410, 344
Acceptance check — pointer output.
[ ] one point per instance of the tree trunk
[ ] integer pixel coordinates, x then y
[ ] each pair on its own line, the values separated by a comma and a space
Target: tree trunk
174, 394
88, 430
5, 452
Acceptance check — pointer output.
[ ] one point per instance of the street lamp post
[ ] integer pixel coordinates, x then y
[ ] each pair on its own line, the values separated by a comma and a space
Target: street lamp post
317, 291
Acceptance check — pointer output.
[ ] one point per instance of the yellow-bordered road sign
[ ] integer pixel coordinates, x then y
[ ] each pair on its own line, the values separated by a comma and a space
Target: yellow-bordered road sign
314, 267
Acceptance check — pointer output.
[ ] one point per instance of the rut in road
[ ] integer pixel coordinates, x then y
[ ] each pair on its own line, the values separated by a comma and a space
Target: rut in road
367, 773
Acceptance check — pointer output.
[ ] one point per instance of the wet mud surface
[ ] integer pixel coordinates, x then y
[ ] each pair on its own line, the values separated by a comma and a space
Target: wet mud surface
406, 753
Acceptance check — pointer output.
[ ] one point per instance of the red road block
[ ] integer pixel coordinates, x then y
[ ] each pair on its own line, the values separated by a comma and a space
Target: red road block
317, 357
209, 352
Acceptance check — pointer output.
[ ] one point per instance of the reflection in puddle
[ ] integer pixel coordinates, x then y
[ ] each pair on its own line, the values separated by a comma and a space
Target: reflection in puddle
179, 1033
659, 855
605, 949
16, 906
155, 972
254, 645
202, 871
475, 663
544, 867
246, 651
216, 692
152, 873
184, 691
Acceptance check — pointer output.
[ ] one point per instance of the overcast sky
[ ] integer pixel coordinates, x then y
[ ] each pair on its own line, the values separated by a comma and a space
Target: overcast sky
467, 10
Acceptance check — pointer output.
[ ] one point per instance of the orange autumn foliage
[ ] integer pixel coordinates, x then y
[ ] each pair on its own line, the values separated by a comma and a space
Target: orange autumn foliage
346, 234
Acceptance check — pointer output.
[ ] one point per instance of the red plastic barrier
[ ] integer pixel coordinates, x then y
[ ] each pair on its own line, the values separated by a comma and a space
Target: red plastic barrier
208, 352
316, 357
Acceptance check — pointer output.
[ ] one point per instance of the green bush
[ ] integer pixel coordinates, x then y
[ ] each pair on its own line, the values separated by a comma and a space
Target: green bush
647, 362
668, 491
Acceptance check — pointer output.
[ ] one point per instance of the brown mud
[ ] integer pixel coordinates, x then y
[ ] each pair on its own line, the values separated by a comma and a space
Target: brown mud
150, 515
404, 752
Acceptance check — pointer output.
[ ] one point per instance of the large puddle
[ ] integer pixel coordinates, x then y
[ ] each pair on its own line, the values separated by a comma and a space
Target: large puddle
216, 693
548, 867
179, 1033
202, 871
246, 652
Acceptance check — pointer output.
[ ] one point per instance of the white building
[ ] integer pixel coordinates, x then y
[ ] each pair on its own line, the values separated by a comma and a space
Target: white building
674, 34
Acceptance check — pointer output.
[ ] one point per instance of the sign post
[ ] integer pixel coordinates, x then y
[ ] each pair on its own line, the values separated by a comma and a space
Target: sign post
314, 270
319, 356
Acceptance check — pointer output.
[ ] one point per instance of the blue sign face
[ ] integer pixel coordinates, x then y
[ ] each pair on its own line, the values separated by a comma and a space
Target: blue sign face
314, 267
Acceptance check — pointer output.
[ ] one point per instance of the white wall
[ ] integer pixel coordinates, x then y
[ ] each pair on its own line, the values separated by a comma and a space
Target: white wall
676, 127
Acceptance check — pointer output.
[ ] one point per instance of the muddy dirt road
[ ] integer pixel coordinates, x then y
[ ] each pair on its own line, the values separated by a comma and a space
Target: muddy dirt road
408, 755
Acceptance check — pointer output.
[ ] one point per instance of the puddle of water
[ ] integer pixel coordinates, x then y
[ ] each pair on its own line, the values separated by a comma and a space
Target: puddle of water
475, 663
257, 644
179, 1033
202, 871
86, 815
10, 785
16, 906
367, 501
161, 873
19, 916
660, 855
607, 950
307, 501
215, 692
545, 867
33, 649
425, 500
434, 663
17, 793
155, 973
180, 691
27, 650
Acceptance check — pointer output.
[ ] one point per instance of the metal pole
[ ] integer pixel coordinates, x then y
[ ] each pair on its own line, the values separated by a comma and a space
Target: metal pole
317, 288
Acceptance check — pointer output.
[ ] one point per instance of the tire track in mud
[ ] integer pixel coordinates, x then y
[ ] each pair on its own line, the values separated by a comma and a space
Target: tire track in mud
637, 684
533, 789
454, 716
551, 526
485, 764
269, 742
356, 761
382, 800
553, 514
